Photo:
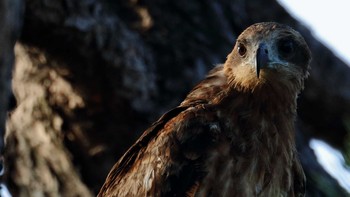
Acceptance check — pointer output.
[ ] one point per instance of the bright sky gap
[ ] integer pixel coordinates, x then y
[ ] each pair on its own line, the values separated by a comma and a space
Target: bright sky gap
328, 21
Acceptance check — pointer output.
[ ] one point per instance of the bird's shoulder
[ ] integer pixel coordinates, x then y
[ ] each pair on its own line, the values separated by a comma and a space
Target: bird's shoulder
184, 134
210, 89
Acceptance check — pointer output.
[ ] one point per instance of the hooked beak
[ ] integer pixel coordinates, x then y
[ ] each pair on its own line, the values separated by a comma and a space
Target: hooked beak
262, 58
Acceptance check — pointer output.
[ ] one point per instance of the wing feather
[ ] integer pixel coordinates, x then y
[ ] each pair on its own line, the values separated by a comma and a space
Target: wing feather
128, 159
167, 160
174, 144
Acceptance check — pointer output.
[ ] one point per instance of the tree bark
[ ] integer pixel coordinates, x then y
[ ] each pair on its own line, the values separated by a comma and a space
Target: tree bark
39, 164
92, 75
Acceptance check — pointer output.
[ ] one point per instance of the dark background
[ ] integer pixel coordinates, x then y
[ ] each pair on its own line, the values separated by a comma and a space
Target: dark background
89, 76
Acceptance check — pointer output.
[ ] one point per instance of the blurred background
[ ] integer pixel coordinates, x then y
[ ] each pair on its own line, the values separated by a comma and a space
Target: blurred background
80, 80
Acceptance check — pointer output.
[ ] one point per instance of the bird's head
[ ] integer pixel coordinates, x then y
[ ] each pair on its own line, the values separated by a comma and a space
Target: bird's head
269, 53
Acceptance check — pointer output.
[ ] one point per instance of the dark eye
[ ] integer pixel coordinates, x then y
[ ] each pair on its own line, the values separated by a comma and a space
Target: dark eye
242, 50
286, 48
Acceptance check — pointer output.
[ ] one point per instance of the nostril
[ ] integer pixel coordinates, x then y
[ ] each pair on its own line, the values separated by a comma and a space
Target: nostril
266, 51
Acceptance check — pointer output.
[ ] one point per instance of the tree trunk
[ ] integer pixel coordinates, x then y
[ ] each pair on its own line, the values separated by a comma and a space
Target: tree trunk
91, 76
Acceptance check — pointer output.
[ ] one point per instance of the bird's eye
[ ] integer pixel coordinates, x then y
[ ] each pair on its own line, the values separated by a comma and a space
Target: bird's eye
286, 48
242, 50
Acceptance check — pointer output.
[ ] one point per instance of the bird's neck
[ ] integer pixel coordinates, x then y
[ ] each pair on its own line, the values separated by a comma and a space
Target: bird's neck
265, 120
263, 108
270, 93
265, 103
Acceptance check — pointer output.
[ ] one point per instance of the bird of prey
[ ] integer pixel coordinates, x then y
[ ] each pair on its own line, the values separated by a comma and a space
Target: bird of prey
233, 135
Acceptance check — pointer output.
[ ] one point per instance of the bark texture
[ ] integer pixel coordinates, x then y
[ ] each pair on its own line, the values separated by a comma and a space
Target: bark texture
39, 163
92, 75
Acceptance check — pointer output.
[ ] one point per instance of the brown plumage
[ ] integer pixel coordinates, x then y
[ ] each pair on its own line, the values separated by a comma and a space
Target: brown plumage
234, 133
